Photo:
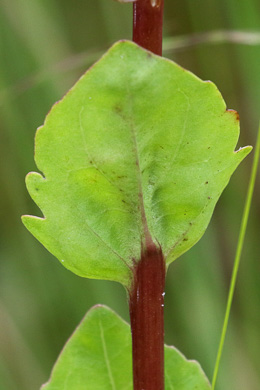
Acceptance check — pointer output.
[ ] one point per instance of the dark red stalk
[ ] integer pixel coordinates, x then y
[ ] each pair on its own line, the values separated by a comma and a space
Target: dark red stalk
146, 297
146, 304
148, 24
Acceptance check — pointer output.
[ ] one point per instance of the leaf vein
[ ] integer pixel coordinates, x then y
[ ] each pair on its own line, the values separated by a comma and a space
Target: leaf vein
110, 375
146, 232
89, 227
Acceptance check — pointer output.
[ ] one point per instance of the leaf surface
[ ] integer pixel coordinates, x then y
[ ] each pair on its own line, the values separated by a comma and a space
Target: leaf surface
98, 357
139, 148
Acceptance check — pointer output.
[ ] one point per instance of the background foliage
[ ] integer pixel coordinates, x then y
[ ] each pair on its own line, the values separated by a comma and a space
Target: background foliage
45, 45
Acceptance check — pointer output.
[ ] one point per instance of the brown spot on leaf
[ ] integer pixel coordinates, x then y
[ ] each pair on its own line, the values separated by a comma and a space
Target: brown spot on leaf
118, 109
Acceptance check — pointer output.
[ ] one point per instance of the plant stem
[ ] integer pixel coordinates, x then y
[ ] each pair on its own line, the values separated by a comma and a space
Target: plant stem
148, 24
146, 297
146, 304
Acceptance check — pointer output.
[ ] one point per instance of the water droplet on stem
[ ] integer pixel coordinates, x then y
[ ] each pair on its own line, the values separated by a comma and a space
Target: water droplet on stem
156, 3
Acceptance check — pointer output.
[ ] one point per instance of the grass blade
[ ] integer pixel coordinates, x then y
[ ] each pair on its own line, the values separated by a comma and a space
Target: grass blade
238, 256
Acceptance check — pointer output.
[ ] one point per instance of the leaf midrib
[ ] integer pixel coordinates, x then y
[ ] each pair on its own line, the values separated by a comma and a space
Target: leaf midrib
148, 241
107, 362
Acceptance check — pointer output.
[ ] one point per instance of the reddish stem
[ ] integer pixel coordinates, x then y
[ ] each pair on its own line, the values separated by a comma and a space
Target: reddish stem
146, 305
146, 297
148, 24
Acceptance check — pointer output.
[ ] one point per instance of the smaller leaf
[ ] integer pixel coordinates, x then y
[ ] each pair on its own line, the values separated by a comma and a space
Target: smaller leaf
98, 357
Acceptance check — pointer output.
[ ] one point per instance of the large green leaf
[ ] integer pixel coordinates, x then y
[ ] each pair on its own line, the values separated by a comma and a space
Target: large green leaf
138, 148
98, 357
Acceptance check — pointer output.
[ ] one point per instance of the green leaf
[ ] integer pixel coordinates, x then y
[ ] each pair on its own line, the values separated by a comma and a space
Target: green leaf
138, 149
98, 357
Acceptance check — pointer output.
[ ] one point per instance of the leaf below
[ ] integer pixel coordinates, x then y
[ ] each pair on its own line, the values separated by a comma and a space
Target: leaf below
98, 357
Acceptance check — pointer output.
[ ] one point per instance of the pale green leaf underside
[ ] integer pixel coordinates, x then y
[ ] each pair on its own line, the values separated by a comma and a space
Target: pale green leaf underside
138, 143
98, 357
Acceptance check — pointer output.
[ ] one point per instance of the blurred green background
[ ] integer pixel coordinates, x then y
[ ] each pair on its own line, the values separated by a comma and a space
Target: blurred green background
45, 45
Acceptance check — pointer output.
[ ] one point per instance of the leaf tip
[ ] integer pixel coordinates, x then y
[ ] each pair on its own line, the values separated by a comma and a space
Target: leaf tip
33, 224
234, 113
242, 152
33, 177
